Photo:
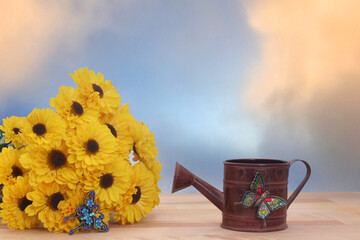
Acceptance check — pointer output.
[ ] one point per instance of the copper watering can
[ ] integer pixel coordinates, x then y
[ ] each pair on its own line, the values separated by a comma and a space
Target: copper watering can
255, 192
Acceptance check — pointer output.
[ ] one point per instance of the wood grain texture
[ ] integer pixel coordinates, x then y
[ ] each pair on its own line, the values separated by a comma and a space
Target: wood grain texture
191, 216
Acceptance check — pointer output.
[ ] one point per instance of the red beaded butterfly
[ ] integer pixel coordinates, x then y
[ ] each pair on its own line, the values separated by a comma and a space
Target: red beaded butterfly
259, 197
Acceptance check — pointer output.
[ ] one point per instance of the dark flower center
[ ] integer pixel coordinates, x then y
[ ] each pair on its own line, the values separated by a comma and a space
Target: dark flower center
136, 196
112, 129
23, 203
16, 171
106, 180
92, 146
98, 89
39, 129
55, 199
77, 109
56, 159
16, 130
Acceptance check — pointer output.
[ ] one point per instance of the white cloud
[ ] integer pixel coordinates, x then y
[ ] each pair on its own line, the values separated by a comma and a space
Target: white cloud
30, 31
306, 86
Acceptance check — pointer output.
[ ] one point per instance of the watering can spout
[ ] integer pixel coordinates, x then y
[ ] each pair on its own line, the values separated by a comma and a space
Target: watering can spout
183, 178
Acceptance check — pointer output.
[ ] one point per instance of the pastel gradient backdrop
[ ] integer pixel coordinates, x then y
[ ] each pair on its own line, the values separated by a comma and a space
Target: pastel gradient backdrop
213, 79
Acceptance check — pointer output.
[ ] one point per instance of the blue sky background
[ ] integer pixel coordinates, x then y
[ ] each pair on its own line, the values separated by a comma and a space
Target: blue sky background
184, 67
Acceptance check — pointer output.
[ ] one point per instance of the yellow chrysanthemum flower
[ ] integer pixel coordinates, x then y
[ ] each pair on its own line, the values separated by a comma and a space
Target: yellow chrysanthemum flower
139, 199
119, 125
43, 129
100, 93
49, 201
92, 147
68, 208
156, 168
14, 205
12, 126
10, 167
83, 146
71, 104
47, 166
144, 143
109, 184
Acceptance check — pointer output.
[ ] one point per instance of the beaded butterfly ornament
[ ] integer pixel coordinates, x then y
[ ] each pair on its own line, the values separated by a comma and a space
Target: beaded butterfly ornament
88, 215
259, 197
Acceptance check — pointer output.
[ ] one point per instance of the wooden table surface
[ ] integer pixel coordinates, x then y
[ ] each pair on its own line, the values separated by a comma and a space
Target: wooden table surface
191, 216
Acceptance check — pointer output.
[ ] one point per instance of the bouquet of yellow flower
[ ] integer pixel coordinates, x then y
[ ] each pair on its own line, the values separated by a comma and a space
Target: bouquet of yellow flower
90, 144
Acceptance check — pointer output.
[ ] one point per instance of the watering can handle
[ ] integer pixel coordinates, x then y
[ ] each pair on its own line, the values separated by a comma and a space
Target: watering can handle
303, 182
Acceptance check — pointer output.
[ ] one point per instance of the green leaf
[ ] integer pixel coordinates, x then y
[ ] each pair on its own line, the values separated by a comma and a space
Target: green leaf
2, 139
2, 146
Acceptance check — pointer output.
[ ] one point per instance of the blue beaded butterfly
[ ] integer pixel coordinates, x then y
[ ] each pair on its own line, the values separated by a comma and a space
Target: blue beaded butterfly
259, 197
88, 215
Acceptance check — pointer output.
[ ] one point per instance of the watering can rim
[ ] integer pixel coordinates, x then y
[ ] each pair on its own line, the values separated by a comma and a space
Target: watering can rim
255, 161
